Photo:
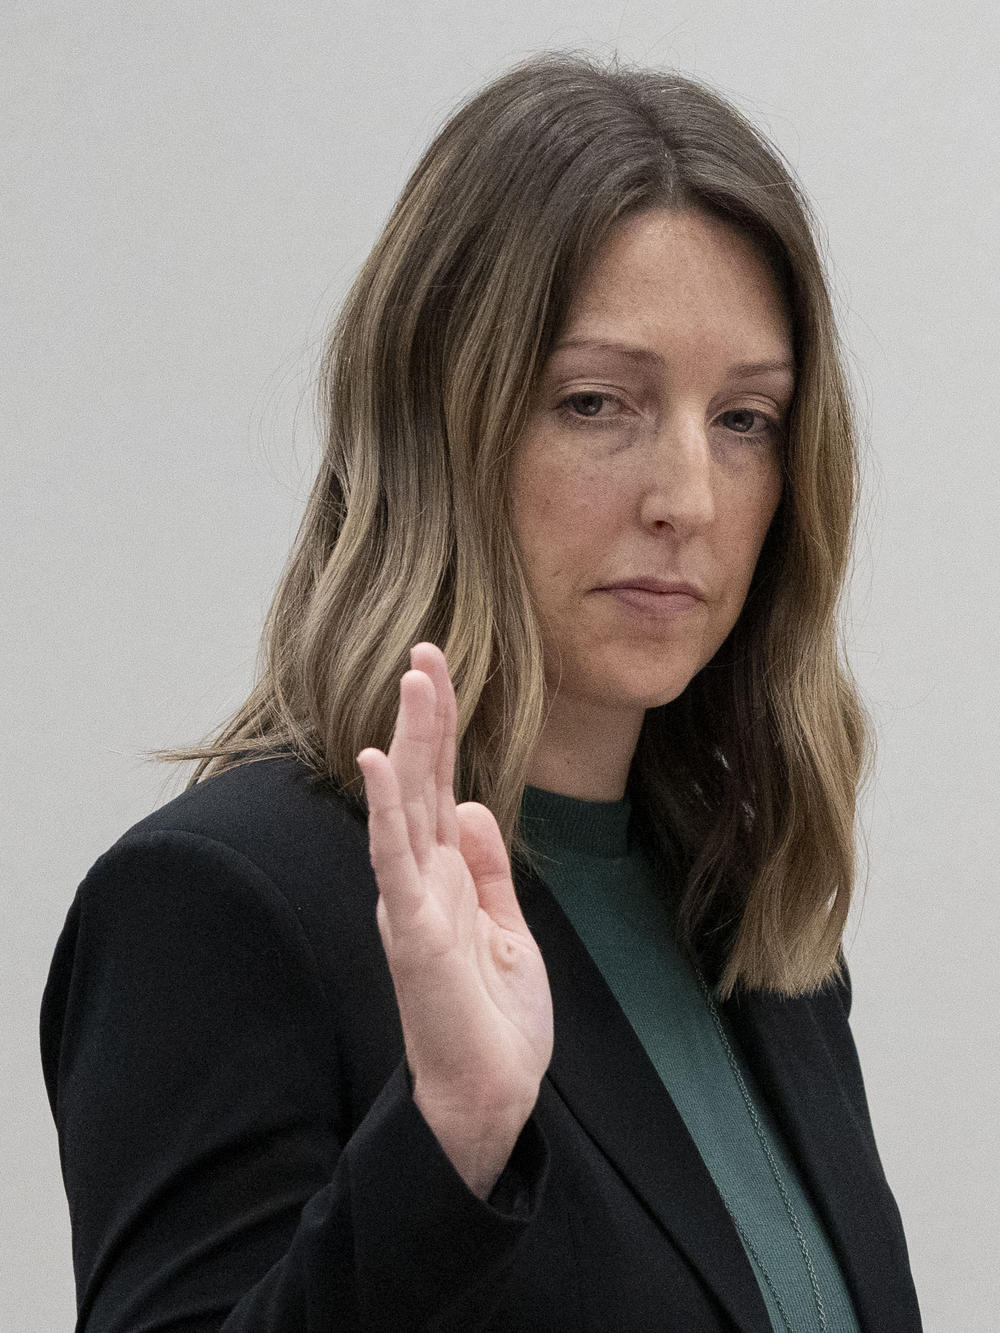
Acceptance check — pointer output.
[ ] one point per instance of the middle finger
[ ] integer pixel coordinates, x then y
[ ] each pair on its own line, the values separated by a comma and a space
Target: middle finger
429, 658
413, 754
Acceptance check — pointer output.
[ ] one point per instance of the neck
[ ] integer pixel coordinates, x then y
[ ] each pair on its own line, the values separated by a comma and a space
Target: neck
584, 751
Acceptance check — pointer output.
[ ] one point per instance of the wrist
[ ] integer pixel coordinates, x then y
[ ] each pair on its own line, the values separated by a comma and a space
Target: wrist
477, 1135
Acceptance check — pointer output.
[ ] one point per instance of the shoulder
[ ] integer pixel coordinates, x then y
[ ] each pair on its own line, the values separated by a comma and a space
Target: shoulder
260, 866
274, 816
264, 841
242, 911
272, 811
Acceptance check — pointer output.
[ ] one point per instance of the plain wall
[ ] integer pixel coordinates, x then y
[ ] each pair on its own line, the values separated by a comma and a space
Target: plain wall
189, 189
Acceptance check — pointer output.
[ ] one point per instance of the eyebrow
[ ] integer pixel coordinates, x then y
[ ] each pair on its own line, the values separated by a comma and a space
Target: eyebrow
745, 370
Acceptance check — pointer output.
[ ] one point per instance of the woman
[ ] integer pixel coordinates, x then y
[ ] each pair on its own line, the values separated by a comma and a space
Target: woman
574, 1052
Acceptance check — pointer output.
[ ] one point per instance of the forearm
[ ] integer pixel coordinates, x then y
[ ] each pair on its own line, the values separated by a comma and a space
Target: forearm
397, 1207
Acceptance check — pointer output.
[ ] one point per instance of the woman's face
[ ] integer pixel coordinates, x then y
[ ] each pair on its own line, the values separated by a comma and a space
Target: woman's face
652, 457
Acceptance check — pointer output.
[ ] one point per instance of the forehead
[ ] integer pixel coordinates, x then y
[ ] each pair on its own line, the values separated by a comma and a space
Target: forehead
681, 280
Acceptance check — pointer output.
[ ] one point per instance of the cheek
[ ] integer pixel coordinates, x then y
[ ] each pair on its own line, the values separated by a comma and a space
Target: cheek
559, 512
747, 528
752, 500
746, 500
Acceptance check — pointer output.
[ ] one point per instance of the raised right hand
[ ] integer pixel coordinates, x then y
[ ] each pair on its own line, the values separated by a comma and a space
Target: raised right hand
470, 982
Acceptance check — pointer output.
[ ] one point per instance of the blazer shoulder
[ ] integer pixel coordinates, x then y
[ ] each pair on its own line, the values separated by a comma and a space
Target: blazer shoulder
276, 814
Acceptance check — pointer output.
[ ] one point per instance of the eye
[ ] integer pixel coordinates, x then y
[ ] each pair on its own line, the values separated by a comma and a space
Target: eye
586, 406
747, 421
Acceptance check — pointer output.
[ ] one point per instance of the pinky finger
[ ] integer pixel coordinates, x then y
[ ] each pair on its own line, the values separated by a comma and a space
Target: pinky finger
389, 844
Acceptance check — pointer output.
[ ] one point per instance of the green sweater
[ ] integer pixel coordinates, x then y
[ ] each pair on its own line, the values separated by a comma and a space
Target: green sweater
607, 888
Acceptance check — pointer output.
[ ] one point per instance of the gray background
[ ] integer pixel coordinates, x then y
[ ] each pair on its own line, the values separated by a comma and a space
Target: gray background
189, 189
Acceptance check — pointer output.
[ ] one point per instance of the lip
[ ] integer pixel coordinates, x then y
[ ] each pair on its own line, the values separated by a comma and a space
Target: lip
656, 599
644, 583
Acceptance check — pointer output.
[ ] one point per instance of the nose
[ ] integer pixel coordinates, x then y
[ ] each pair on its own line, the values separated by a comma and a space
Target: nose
677, 485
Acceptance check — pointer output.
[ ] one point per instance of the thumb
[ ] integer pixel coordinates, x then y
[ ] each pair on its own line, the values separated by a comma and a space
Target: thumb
482, 846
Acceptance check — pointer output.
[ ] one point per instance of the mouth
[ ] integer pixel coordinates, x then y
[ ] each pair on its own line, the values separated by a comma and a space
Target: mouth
664, 602
657, 587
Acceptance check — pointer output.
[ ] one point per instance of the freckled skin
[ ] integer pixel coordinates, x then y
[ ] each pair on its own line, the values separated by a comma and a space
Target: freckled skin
663, 461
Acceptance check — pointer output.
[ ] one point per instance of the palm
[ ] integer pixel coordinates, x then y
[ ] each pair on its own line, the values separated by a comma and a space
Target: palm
470, 982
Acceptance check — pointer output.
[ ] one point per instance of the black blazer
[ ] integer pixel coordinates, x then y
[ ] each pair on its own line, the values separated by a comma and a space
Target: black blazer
240, 1148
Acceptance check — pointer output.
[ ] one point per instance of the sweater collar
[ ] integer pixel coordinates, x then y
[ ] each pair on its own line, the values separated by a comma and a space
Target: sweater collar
553, 822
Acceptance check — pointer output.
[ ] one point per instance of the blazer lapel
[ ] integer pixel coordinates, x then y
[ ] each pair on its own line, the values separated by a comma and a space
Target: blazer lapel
805, 1067
602, 1072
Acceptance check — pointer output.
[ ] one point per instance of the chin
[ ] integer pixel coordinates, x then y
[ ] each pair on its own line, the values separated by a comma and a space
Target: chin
658, 682
646, 694
664, 697
620, 681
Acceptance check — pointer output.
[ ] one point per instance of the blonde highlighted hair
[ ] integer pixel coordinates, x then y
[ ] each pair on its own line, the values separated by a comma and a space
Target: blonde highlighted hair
747, 783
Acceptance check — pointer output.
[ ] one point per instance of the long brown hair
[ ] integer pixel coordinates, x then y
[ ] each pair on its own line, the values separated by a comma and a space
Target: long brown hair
747, 783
